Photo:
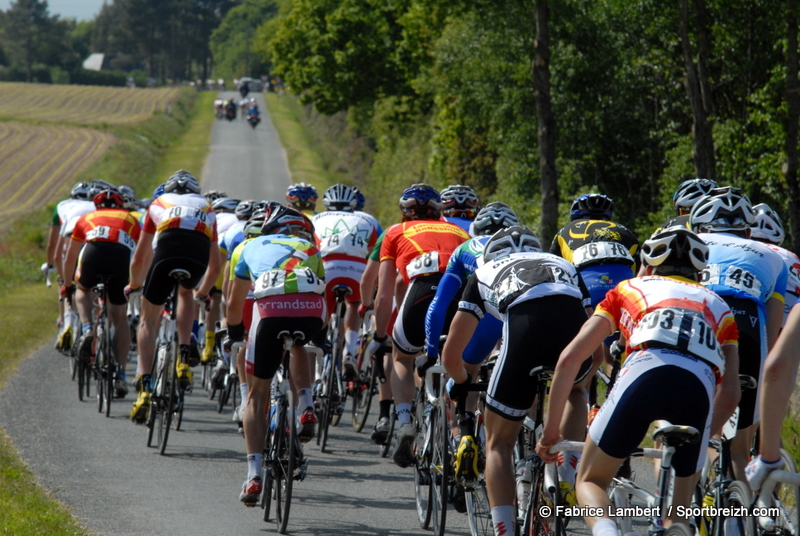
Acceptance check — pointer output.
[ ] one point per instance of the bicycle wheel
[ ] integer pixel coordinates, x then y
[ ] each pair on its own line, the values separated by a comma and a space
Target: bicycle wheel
535, 524
269, 472
479, 513
738, 496
440, 466
224, 394
363, 392
100, 358
328, 400
287, 425
422, 475
167, 400
82, 365
787, 498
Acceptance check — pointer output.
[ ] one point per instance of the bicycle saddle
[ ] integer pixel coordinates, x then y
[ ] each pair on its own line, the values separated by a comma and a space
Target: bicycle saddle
675, 435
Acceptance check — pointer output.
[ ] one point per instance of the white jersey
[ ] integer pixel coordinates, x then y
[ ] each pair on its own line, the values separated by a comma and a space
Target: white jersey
346, 236
224, 222
70, 211
792, 263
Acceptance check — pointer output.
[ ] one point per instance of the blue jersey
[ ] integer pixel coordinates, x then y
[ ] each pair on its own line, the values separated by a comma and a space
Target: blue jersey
743, 268
277, 251
461, 222
231, 238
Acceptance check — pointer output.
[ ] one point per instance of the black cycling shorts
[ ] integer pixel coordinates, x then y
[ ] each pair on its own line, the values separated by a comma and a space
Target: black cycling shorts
534, 334
752, 353
105, 259
176, 248
408, 334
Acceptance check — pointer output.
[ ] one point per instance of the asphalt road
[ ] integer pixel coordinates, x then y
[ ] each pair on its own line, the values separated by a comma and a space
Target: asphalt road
103, 471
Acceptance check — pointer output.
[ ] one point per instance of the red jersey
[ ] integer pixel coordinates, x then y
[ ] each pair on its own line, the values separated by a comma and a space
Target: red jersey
421, 247
107, 225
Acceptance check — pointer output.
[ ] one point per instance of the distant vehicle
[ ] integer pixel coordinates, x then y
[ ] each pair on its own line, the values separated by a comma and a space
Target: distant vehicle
253, 84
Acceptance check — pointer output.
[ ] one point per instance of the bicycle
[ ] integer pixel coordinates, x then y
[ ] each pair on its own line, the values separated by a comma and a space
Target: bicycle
105, 362
777, 505
333, 395
284, 461
718, 488
364, 387
167, 398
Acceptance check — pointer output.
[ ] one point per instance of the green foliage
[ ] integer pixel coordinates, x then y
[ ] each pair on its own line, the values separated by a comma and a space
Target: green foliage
234, 43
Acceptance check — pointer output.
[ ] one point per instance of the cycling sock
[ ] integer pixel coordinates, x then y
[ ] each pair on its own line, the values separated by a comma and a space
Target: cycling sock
403, 414
605, 527
254, 465
305, 399
351, 342
503, 518
568, 466
243, 389
385, 408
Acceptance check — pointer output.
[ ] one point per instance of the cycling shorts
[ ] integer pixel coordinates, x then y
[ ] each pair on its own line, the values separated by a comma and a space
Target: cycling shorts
752, 354
657, 384
176, 248
105, 258
534, 334
345, 273
302, 312
408, 334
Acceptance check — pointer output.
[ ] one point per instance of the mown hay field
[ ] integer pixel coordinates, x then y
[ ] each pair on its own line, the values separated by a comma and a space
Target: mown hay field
84, 105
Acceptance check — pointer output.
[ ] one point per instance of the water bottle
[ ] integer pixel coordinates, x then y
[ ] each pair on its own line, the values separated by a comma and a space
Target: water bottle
523, 478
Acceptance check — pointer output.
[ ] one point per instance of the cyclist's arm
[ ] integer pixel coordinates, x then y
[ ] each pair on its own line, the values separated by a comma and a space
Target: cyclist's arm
437, 311
141, 260
728, 392
569, 363
52, 240
369, 280
383, 304
237, 294
212, 272
461, 330
59, 255
70, 260
774, 320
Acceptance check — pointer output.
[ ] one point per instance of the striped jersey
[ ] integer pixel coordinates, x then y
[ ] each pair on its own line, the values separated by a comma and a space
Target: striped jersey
114, 225
176, 211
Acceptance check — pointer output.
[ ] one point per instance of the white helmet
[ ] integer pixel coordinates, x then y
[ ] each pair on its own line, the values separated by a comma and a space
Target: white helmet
722, 209
514, 239
340, 197
768, 226
494, 217
676, 246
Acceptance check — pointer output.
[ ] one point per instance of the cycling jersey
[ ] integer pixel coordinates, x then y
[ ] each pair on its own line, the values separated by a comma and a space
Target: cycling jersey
463, 263
461, 222
232, 238
373, 219
345, 236
175, 211
792, 263
70, 210
671, 312
225, 221
421, 247
113, 225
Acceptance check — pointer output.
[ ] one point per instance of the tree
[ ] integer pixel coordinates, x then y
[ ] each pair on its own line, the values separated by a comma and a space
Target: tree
232, 42
548, 175
30, 35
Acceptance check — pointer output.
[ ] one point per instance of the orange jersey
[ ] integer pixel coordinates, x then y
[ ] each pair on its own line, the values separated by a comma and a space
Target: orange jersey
176, 211
421, 247
107, 225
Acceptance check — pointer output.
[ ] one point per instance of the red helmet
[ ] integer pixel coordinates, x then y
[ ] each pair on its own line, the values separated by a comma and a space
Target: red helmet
108, 198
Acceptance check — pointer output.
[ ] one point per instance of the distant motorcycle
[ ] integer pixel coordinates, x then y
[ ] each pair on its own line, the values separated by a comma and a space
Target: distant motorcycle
253, 119
230, 111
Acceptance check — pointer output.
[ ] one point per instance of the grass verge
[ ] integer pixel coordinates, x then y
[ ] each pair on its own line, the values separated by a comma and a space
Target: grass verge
145, 156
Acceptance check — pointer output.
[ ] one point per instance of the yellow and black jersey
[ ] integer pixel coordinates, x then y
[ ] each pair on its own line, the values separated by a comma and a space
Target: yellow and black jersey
587, 243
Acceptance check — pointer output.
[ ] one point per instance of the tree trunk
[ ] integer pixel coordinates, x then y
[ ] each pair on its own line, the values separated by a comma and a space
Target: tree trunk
698, 89
546, 124
792, 119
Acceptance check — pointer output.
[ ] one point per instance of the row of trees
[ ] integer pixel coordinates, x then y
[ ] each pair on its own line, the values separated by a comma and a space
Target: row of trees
536, 101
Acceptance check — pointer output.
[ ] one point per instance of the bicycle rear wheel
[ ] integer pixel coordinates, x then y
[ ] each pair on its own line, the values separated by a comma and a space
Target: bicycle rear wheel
787, 498
422, 476
363, 392
99, 376
167, 400
270, 454
739, 497
440, 466
328, 400
387, 445
479, 513
284, 483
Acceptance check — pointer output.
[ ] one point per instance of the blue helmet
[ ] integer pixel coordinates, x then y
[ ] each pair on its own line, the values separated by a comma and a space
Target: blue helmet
421, 201
597, 206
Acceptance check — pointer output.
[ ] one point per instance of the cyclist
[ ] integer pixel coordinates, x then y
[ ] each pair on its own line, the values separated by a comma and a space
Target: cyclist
180, 231
303, 197
419, 249
104, 239
538, 297
345, 238
131, 201
678, 333
460, 205
752, 279
286, 272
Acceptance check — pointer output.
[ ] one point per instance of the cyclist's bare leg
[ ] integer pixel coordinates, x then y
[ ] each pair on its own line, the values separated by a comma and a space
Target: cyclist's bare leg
403, 377
146, 335
501, 435
302, 370
186, 309
351, 324
574, 421
118, 314
740, 450
83, 303
594, 476
253, 421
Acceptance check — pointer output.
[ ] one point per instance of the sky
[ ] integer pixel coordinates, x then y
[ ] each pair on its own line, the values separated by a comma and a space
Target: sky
77, 9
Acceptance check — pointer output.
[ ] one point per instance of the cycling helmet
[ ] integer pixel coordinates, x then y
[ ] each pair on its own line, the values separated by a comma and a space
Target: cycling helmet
302, 196
360, 200
287, 220
108, 198
460, 201
182, 182
131, 201
213, 195
225, 204
768, 226
254, 225
514, 239
676, 247
421, 201
494, 217
690, 191
96, 186
80, 191
596, 206
245, 209
722, 209
340, 197
158, 192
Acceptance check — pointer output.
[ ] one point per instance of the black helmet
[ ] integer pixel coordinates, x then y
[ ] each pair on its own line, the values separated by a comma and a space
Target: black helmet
592, 206
182, 182
676, 247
